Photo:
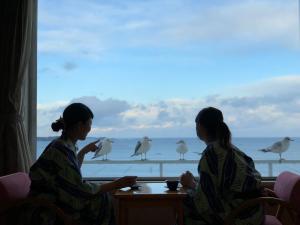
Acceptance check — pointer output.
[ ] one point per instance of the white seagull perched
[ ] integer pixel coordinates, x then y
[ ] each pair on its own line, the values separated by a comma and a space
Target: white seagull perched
141, 147
181, 149
103, 149
279, 147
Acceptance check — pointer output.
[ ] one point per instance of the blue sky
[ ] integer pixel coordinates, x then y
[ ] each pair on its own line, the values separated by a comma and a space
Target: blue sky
147, 67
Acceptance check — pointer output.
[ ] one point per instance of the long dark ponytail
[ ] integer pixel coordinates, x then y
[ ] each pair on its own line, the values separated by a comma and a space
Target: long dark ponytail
224, 135
212, 120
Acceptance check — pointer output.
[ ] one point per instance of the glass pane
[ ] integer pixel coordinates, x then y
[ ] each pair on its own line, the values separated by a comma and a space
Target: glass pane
146, 68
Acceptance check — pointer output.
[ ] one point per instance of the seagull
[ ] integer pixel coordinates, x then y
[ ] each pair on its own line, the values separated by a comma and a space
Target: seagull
181, 149
103, 149
141, 147
279, 147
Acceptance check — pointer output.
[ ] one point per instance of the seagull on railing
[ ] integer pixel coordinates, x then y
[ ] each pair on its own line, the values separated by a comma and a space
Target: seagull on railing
279, 147
181, 149
103, 149
142, 147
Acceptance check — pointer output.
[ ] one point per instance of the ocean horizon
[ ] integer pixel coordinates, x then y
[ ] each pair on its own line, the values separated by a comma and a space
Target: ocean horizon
165, 149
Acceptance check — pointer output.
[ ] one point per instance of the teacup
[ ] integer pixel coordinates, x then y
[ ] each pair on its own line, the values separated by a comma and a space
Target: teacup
172, 184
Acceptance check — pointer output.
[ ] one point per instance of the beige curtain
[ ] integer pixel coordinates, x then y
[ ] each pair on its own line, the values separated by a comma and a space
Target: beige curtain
17, 47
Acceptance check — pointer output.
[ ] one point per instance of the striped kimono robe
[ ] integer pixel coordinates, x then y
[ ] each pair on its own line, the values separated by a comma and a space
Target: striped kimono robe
227, 179
56, 176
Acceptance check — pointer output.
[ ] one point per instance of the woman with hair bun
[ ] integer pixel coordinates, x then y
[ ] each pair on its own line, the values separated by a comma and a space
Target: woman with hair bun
227, 176
56, 175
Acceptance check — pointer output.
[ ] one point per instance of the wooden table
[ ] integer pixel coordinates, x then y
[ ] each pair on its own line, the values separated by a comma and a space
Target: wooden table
164, 206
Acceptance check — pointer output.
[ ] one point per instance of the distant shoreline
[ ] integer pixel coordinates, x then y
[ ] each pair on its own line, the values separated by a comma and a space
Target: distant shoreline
50, 138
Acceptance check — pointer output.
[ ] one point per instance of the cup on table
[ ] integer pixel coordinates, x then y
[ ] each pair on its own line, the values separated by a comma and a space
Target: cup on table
172, 184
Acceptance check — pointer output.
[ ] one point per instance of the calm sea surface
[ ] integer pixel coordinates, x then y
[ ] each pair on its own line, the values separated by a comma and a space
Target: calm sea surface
165, 149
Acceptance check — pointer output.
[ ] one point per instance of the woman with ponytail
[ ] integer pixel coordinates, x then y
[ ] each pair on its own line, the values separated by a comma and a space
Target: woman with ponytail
56, 175
227, 176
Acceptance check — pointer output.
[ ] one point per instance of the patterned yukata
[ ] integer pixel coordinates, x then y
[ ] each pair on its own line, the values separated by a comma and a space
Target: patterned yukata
56, 176
227, 179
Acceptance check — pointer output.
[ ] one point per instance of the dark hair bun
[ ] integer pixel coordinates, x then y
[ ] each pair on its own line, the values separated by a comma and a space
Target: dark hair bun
57, 125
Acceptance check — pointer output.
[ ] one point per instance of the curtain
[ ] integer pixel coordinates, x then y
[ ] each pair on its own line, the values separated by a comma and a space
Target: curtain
18, 30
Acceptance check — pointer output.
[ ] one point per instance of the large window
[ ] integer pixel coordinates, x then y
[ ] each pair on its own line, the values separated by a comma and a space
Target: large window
147, 67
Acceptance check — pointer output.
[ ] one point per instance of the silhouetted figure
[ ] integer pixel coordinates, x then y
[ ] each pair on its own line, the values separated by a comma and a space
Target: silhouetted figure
56, 175
227, 176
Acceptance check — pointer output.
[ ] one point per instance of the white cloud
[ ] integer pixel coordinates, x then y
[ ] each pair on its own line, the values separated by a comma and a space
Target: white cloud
257, 113
90, 28
250, 21
281, 87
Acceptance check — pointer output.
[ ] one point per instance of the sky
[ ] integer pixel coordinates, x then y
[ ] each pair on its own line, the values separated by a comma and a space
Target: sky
146, 67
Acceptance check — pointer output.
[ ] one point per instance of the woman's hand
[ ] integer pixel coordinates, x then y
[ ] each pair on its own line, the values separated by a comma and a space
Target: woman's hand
187, 180
91, 147
122, 182
126, 181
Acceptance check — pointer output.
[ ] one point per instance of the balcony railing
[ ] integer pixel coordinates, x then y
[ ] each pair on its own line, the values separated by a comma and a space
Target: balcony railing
270, 163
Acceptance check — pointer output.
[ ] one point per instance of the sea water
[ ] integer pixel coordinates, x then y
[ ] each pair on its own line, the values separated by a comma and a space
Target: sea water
165, 149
